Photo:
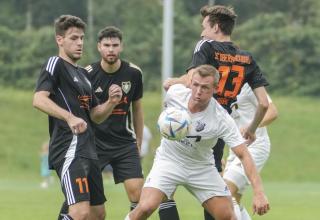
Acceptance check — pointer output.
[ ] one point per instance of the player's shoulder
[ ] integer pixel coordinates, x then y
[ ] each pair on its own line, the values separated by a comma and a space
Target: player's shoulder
133, 67
52, 63
203, 44
92, 68
177, 90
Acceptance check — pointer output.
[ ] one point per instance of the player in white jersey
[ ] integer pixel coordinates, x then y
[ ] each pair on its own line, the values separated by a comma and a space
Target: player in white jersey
189, 162
234, 173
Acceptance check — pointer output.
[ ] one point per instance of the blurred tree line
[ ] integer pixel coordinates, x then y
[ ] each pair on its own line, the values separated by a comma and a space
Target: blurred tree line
283, 36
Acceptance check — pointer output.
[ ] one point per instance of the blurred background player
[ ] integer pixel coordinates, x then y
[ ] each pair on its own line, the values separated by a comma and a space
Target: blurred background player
146, 138
45, 172
234, 174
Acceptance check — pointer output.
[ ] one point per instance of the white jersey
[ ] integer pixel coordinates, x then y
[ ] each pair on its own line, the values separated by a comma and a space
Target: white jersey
207, 126
244, 110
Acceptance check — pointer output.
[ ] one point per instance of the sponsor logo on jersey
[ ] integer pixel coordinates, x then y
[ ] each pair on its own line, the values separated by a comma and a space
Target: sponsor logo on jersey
84, 101
98, 90
75, 79
200, 126
126, 86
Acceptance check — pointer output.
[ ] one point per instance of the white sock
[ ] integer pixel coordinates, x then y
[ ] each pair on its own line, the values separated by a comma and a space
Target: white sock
127, 217
244, 214
236, 208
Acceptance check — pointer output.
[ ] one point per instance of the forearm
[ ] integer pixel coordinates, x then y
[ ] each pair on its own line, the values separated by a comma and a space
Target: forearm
42, 102
270, 116
101, 112
252, 173
138, 122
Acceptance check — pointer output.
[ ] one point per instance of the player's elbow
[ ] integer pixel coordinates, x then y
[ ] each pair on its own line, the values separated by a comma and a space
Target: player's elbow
36, 100
264, 105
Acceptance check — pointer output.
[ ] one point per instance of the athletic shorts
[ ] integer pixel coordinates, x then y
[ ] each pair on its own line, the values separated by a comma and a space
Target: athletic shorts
125, 162
234, 171
81, 180
202, 181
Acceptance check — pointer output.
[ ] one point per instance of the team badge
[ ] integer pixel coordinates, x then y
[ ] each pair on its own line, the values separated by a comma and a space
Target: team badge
126, 86
200, 126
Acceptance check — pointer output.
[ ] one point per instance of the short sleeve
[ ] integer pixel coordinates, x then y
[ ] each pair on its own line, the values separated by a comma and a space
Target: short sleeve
256, 78
48, 77
138, 93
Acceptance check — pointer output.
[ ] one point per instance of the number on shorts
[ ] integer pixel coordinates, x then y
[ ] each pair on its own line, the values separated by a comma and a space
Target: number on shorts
82, 182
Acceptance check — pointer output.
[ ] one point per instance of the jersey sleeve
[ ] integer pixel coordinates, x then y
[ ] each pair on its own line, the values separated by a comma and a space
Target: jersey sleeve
229, 131
256, 78
201, 54
48, 78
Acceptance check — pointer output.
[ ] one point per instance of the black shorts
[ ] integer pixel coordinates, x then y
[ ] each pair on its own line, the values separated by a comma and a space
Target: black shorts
125, 162
218, 153
81, 180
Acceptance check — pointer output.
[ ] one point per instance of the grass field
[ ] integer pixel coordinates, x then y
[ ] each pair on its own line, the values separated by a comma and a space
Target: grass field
291, 177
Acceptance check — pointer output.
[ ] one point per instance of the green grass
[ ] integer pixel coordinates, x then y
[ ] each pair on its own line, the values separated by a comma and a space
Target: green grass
291, 176
22, 200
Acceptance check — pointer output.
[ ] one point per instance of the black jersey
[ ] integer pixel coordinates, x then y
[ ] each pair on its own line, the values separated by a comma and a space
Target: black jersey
235, 66
71, 90
116, 131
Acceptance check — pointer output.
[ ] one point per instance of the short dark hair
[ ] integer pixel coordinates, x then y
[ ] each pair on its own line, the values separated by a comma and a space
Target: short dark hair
64, 22
224, 16
110, 32
208, 70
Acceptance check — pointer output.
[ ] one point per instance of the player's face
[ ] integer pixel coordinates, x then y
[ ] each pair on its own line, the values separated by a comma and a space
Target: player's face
110, 49
208, 32
71, 44
202, 88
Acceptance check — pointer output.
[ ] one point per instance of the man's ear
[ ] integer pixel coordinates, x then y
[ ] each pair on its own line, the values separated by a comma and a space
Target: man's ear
59, 39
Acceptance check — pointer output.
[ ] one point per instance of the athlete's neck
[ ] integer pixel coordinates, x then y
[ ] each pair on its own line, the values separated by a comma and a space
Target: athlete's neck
222, 38
68, 59
195, 106
110, 68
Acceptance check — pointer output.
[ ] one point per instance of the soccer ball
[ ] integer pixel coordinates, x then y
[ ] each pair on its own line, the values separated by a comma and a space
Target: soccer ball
174, 123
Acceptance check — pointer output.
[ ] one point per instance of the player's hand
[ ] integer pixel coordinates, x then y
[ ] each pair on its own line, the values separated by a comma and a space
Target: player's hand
115, 94
260, 204
248, 135
77, 125
167, 83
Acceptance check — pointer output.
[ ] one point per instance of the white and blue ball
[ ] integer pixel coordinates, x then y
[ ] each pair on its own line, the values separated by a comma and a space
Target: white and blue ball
174, 123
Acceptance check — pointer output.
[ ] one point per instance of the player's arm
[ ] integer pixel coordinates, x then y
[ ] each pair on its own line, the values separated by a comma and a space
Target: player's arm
185, 79
270, 116
42, 102
138, 121
101, 112
262, 107
260, 201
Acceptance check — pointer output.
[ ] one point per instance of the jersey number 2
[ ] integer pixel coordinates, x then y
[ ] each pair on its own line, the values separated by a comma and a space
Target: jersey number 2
236, 81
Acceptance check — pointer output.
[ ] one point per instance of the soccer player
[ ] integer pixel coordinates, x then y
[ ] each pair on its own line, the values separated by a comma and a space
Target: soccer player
189, 162
65, 94
234, 174
118, 143
235, 66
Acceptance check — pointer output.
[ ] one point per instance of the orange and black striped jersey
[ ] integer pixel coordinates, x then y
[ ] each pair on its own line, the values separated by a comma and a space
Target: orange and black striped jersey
235, 66
117, 130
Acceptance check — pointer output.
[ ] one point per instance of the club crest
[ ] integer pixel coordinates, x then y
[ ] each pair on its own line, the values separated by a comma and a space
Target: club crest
126, 86
200, 126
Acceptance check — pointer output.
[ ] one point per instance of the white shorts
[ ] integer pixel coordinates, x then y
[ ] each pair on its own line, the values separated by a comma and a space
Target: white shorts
204, 182
234, 171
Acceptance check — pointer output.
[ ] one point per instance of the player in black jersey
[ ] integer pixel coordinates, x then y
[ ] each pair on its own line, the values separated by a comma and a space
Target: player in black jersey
118, 142
65, 94
236, 67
